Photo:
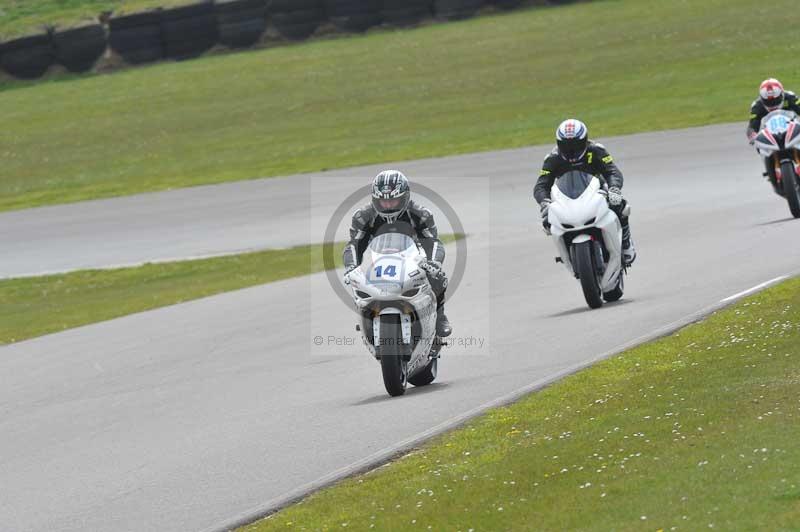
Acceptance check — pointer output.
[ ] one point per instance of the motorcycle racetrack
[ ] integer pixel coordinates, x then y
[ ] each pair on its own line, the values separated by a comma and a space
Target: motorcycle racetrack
198, 415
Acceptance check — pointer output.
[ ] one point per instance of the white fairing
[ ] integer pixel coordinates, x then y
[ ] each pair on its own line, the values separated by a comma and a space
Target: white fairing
389, 269
589, 210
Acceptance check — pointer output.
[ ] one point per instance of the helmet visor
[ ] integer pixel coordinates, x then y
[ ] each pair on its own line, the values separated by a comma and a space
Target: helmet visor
773, 103
572, 149
389, 205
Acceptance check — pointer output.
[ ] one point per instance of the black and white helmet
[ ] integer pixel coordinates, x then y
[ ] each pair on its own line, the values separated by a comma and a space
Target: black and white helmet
391, 194
573, 138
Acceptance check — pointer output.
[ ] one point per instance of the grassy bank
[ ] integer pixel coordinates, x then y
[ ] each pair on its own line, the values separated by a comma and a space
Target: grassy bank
491, 82
696, 431
34, 306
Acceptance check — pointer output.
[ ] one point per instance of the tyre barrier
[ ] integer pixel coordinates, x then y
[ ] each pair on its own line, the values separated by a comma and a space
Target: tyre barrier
456, 9
506, 4
354, 15
80, 48
405, 12
137, 38
189, 31
27, 57
241, 23
296, 19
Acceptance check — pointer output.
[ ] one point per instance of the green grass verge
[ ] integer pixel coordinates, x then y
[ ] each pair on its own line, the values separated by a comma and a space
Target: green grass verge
34, 306
23, 17
694, 431
491, 82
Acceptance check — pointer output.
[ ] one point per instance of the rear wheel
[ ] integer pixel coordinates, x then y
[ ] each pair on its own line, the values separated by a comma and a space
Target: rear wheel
616, 293
790, 187
587, 273
391, 351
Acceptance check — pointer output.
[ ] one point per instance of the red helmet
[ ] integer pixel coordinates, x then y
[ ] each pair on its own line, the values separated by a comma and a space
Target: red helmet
771, 93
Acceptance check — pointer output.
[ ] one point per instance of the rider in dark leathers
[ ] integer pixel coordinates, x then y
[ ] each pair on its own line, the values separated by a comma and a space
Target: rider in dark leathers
392, 204
576, 152
771, 97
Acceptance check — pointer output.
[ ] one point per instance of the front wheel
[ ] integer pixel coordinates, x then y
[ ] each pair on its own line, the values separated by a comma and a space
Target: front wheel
391, 350
587, 273
790, 187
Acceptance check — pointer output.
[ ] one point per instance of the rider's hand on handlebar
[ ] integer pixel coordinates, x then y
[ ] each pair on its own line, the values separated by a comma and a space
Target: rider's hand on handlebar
430, 266
544, 207
615, 197
347, 271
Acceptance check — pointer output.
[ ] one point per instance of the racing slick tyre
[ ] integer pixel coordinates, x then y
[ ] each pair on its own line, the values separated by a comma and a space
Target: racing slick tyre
427, 375
391, 350
587, 273
790, 187
616, 293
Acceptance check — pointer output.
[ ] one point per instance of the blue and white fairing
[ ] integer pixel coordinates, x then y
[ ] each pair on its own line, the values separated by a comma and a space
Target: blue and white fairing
780, 130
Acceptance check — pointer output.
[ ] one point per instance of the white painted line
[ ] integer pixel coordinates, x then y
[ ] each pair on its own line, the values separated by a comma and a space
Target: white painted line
754, 289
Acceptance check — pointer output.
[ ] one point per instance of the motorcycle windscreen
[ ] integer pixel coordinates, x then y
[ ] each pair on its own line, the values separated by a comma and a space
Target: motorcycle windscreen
572, 184
388, 243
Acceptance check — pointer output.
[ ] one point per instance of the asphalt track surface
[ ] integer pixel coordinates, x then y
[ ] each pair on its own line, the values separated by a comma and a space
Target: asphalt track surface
194, 415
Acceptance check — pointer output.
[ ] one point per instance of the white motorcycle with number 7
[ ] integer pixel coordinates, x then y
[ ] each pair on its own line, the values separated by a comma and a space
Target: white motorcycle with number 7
398, 311
588, 235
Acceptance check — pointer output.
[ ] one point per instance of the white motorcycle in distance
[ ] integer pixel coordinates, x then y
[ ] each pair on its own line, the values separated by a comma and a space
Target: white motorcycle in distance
398, 311
588, 236
778, 141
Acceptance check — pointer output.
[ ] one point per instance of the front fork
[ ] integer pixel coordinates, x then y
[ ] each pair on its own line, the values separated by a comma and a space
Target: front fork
776, 165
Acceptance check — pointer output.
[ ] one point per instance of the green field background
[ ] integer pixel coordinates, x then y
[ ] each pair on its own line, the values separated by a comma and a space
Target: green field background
492, 82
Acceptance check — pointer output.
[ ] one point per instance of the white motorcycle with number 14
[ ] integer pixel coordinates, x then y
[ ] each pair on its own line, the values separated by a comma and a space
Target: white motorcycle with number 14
397, 306
588, 236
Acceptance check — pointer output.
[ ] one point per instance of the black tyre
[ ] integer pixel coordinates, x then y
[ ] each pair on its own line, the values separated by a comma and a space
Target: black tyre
790, 187
296, 19
506, 4
27, 57
241, 23
456, 9
80, 48
405, 12
587, 273
354, 15
189, 31
618, 291
427, 375
137, 38
392, 351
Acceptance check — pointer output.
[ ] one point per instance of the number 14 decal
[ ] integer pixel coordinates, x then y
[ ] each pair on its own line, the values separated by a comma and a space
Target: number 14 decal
390, 271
